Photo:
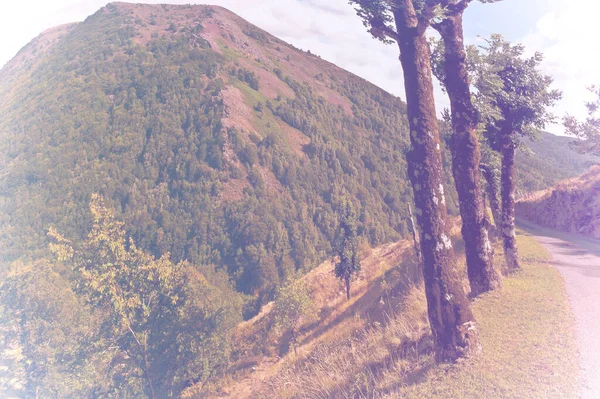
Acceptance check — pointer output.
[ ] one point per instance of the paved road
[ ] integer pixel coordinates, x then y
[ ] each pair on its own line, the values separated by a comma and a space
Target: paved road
578, 260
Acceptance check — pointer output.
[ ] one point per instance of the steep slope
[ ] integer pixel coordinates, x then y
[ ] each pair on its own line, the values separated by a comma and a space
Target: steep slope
572, 206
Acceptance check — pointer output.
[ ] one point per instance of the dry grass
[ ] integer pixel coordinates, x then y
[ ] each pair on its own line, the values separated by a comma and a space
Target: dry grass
526, 331
356, 365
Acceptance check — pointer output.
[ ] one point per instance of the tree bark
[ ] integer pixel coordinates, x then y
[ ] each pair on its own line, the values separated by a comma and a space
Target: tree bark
508, 202
466, 157
453, 326
413, 230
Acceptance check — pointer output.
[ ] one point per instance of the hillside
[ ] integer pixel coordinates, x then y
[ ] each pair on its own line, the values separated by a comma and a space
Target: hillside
379, 343
572, 205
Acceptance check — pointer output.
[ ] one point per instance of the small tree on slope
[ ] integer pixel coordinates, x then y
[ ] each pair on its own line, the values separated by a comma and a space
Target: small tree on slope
348, 265
405, 22
293, 306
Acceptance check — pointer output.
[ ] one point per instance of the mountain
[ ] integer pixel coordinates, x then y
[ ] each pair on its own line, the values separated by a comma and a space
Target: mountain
213, 140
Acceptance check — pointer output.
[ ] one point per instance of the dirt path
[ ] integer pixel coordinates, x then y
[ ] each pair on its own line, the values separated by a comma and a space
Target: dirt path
578, 260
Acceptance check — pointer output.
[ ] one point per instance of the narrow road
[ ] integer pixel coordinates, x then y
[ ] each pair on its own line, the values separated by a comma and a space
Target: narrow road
578, 260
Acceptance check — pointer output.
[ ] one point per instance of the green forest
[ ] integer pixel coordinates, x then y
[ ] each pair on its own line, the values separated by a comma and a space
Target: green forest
114, 152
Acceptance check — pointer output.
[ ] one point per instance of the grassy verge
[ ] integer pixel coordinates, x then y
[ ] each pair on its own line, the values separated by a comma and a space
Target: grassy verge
526, 332
527, 336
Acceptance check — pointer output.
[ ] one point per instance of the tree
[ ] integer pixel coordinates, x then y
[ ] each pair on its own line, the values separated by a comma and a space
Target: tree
588, 131
405, 21
519, 95
42, 316
168, 324
293, 306
464, 145
348, 265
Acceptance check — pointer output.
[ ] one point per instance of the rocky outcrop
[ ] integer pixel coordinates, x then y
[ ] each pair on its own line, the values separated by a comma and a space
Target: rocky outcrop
572, 206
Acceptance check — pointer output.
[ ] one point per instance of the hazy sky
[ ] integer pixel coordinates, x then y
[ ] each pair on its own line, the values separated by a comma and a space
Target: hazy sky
564, 30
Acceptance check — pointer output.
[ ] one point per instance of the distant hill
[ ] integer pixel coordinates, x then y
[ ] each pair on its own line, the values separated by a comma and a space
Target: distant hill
551, 160
215, 141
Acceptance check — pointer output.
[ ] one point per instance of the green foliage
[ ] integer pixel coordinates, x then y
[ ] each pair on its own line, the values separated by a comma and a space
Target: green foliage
516, 91
247, 76
293, 307
53, 330
378, 15
541, 163
255, 33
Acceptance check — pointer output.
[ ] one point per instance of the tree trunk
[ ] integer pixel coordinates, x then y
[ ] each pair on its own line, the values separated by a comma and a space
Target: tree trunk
452, 323
508, 203
489, 173
466, 157
347, 288
413, 230
147, 372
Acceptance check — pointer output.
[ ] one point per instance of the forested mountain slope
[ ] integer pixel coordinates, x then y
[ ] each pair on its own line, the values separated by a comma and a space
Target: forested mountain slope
214, 141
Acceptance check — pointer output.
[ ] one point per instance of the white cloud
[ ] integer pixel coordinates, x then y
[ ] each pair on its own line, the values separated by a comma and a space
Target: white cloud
566, 34
21, 21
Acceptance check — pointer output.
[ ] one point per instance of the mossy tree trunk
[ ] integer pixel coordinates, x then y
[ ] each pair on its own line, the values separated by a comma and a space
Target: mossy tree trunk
452, 323
466, 157
508, 201
413, 230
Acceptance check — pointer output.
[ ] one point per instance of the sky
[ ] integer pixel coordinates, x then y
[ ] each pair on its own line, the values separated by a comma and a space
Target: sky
564, 30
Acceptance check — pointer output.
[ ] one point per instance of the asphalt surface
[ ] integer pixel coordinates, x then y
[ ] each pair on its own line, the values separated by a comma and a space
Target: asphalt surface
578, 260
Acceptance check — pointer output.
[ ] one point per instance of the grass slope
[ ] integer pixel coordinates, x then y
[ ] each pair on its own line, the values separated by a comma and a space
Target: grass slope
527, 336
